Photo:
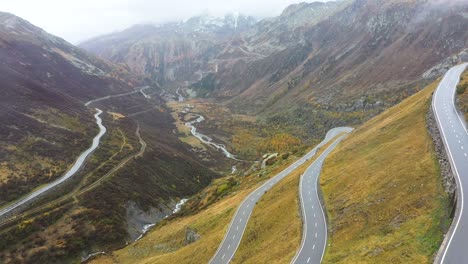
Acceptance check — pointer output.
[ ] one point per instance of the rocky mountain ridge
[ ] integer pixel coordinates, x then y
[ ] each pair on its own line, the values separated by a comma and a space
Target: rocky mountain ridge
45, 125
172, 51
333, 53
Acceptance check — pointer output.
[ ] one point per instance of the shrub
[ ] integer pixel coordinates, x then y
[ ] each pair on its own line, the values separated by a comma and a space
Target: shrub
222, 188
461, 88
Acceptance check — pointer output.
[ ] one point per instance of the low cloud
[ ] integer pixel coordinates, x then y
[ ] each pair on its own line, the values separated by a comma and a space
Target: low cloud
78, 20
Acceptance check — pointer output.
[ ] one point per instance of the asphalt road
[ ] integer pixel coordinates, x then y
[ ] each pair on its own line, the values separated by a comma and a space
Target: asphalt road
76, 166
236, 229
454, 134
314, 231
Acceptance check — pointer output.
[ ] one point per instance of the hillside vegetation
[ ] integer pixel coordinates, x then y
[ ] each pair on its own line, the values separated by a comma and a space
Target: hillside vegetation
393, 209
383, 190
208, 215
274, 231
462, 94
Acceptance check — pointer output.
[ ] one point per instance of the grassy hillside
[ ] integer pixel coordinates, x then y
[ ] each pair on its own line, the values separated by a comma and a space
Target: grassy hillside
275, 218
383, 192
274, 232
384, 196
462, 94
96, 220
209, 213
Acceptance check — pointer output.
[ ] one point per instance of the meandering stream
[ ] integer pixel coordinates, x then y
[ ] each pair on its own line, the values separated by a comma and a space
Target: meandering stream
206, 139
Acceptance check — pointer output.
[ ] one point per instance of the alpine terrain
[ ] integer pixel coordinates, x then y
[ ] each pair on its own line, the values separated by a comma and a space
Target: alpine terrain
331, 132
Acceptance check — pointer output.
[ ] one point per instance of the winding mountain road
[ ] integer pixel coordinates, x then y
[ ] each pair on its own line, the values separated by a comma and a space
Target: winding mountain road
314, 231
76, 165
238, 224
454, 134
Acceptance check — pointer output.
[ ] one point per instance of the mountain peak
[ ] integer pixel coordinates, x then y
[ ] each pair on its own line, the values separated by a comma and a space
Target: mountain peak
12, 22
291, 9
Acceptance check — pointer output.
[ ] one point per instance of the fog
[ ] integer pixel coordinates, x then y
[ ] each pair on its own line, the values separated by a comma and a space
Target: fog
78, 20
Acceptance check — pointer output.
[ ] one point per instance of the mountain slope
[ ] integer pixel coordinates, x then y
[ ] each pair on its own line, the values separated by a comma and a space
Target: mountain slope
394, 207
134, 178
317, 65
380, 205
169, 52
45, 125
368, 52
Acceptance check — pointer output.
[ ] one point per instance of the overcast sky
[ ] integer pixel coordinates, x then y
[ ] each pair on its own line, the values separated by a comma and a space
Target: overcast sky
78, 20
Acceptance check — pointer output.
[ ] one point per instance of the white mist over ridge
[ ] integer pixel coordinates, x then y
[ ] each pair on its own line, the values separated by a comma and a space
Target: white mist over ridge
76, 21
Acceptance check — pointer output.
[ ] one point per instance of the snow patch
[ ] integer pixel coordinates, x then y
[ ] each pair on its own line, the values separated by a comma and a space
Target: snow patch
82, 65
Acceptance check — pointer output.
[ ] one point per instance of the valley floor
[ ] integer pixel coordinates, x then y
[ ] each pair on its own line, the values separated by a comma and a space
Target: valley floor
383, 192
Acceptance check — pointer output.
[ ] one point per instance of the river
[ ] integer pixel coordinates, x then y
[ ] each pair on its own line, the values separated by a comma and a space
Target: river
206, 139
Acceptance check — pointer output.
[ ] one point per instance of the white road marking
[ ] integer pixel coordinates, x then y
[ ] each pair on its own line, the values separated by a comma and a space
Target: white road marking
314, 215
434, 106
237, 228
223, 256
229, 246
315, 234
234, 236
313, 247
315, 224
308, 260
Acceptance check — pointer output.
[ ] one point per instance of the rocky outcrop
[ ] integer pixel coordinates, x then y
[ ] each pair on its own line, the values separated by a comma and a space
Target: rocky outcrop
448, 178
139, 221
332, 53
170, 52
268, 159
369, 49
445, 65
191, 236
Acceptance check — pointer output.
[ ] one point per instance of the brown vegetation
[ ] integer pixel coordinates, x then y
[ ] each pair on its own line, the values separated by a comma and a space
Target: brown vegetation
383, 190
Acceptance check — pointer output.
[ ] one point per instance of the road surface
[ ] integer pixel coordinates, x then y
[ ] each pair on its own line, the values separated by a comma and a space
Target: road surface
236, 229
454, 134
314, 231
76, 166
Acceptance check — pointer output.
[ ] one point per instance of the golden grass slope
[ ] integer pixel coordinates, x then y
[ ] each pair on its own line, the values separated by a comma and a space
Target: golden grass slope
383, 193
166, 243
462, 97
274, 231
383, 190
